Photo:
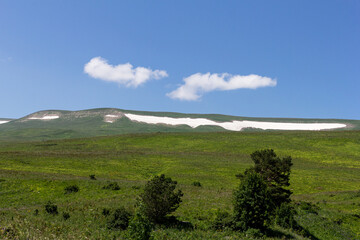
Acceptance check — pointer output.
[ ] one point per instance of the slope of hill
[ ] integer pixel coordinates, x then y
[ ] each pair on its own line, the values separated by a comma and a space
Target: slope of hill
326, 173
58, 124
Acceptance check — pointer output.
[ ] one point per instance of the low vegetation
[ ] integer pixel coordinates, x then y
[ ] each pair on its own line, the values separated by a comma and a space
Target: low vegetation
324, 182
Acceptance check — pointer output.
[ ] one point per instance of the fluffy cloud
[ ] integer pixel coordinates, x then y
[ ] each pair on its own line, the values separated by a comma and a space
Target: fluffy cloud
198, 84
124, 74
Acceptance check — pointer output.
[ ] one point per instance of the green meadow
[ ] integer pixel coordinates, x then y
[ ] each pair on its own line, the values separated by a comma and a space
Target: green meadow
326, 172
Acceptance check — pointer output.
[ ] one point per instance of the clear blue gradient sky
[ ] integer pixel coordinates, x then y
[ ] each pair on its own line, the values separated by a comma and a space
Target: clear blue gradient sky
311, 48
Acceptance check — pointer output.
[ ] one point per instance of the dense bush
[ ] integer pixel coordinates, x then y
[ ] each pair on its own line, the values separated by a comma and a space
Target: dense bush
71, 189
120, 219
196, 184
284, 216
309, 207
51, 208
92, 177
139, 227
252, 203
112, 186
66, 216
223, 220
159, 198
105, 211
253, 233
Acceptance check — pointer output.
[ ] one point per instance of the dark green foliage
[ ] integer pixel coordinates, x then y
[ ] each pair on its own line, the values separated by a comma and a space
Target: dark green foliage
92, 177
112, 186
196, 184
309, 207
253, 233
252, 203
159, 198
66, 216
105, 211
222, 221
276, 173
36, 212
139, 227
51, 208
120, 219
284, 216
71, 189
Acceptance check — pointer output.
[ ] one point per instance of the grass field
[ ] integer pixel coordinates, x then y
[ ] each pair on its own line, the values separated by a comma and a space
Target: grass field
326, 172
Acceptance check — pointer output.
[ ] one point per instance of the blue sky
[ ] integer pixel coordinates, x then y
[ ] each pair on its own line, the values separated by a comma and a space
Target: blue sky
303, 56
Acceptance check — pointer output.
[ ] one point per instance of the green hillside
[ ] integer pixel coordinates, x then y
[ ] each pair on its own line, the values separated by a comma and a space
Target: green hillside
326, 172
89, 123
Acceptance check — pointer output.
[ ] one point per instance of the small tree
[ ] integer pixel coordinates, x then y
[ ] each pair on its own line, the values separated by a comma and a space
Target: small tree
252, 203
276, 173
159, 198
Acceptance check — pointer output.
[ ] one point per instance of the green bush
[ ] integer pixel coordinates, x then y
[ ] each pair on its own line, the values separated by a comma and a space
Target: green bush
159, 198
92, 177
105, 211
309, 207
51, 208
112, 186
223, 220
284, 216
139, 227
252, 203
120, 219
66, 216
254, 233
196, 184
71, 189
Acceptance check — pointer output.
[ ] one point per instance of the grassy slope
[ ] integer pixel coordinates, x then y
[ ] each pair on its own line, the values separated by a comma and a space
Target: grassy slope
88, 123
326, 171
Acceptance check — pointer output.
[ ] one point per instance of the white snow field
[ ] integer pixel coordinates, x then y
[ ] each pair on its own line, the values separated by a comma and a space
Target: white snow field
44, 117
1, 121
234, 125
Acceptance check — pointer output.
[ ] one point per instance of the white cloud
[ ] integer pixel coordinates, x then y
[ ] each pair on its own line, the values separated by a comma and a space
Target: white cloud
198, 84
124, 74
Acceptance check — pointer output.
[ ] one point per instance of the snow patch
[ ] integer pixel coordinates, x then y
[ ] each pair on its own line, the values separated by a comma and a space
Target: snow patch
234, 125
110, 118
49, 117
1, 122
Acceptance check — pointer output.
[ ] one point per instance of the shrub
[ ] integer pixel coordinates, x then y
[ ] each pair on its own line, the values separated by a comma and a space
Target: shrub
105, 211
284, 216
112, 186
36, 212
222, 220
139, 227
196, 184
253, 233
308, 207
51, 208
251, 203
120, 219
71, 189
159, 198
66, 216
92, 177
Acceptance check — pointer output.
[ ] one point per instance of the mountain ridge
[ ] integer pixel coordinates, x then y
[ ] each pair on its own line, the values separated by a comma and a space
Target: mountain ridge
59, 124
